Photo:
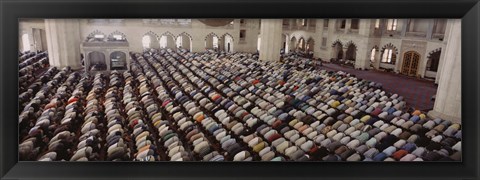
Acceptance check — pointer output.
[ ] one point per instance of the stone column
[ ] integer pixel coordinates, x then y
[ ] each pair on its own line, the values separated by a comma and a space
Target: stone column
318, 38
378, 58
348, 25
430, 29
271, 42
63, 39
404, 27
448, 99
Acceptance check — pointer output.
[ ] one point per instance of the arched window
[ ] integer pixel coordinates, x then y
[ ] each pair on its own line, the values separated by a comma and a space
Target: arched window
433, 61
146, 41
25, 42
389, 54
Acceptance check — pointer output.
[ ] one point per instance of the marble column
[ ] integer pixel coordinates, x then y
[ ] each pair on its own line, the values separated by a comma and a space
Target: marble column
448, 99
404, 27
430, 29
271, 41
318, 38
63, 41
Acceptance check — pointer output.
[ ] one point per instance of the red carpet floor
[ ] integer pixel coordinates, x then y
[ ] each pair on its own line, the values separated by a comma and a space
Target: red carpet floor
417, 92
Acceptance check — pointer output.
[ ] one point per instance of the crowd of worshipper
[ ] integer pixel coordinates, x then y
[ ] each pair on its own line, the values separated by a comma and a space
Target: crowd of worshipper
184, 106
299, 63
343, 62
30, 67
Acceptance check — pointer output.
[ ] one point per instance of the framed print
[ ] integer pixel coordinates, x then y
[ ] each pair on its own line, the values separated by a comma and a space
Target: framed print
244, 90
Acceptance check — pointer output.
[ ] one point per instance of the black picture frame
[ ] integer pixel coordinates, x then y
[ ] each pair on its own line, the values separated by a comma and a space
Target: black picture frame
12, 10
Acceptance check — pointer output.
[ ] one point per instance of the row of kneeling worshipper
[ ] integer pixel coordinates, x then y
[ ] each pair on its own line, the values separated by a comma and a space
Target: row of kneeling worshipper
183, 106
31, 74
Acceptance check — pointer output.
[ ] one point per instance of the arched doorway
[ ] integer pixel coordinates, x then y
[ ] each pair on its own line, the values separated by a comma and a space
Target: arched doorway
226, 43
293, 43
337, 50
310, 44
301, 44
96, 61
150, 40
351, 53
433, 60
184, 41
118, 61
167, 40
211, 41
410, 63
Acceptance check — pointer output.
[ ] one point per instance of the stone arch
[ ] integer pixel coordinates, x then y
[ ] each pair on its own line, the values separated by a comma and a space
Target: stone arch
351, 52
350, 43
293, 36
153, 40
185, 43
117, 33
389, 46
91, 36
337, 49
96, 61
434, 51
168, 33
227, 34
301, 44
209, 42
386, 58
167, 40
337, 42
226, 42
293, 43
433, 60
212, 34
